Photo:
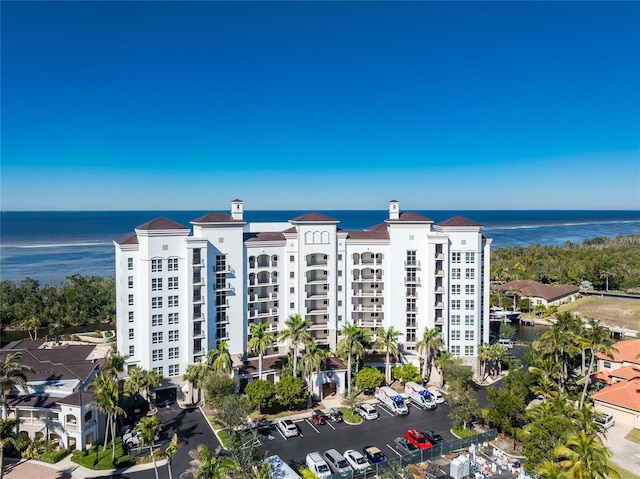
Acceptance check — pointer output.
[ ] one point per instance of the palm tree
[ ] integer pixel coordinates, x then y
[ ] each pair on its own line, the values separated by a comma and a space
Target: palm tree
12, 374
548, 470
350, 343
8, 425
5, 442
205, 465
219, 359
106, 399
388, 340
296, 332
171, 451
484, 356
585, 457
195, 375
597, 340
113, 365
261, 339
428, 347
547, 372
148, 429
312, 360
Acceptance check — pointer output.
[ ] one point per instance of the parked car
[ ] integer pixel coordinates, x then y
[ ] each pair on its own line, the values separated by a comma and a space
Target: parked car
356, 460
433, 437
287, 427
417, 439
367, 411
437, 395
134, 438
335, 414
605, 420
404, 446
317, 465
373, 454
336, 461
318, 417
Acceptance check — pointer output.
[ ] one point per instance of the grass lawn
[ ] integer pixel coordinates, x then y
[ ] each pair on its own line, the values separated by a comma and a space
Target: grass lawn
624, 474
464, 432
623, 312
634, 435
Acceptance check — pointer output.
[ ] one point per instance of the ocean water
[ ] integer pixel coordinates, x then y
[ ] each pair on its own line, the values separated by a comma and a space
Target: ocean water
49, 246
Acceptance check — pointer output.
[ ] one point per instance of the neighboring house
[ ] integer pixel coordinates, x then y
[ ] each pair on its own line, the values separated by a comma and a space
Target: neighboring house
620, 376
538, 293
57, 405
181, 290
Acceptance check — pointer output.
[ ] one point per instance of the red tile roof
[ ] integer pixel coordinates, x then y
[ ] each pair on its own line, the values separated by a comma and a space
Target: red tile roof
529, 287
626, 372
314, 217
216, 218
626, 351
410, 217
624, 394
458, 221
161, 223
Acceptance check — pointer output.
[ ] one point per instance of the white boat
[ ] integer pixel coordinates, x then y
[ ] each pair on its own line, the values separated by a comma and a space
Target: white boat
501, 314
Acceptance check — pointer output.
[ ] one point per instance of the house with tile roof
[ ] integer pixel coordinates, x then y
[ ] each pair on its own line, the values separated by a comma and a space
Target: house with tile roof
57, 405
180, 291
621, 400
538, 293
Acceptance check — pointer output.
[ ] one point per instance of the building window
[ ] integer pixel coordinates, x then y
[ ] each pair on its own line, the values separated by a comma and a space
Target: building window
455, 289
456, 257
173, 301
156, 302
156, 338
174, 335
131, 316
174, 370
470, 257
607, 364
132, 333
292, 258
157, 355
469, 335
159, 370
411, 336
130, 281
197, 258
156, 284
470, 289
455, 350
470, 273
455, 304
130, 264
172, 264
455, 320
173, 318
455, 273
174, 353
455, 335
172, 283
156, 320
292, 290
469, 320
469, 350
156, 265
130, 300
469, 304
132, 350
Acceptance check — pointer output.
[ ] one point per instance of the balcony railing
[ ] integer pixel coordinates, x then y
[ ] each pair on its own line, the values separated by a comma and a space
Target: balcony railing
263, 297
412, 263
439, 273
224, 287
198, 299
412, 280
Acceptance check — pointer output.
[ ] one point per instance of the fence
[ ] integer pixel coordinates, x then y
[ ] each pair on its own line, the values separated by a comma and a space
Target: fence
421, 456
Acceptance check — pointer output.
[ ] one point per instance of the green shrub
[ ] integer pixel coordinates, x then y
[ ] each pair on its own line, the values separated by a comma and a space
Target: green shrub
100, 459
54, 456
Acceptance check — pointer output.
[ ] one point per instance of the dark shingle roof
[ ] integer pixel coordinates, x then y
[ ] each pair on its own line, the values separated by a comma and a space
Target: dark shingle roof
411, 217
216, 218
529, 287
161, 223
129, 238
365, 235
458, 221
264, 236
314, 217
78, 398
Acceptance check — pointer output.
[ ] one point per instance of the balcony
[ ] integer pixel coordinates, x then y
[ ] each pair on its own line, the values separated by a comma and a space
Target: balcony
316, 324
439, 289
361, 308
263, 313
318, 310
198, 334
199, 317
439, 305
224, 287
367, 293
412, 263
317, 295
223, 269
317, 262
369, 323
412, 280
439, 321
439, 273
317, 280
223, 304
198, 299
263, 297
367, 278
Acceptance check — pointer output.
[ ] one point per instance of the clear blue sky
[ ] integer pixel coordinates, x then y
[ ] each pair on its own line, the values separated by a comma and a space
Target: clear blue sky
315, 106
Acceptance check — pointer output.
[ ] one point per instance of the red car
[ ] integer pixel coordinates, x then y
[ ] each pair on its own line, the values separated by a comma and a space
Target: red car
418, 439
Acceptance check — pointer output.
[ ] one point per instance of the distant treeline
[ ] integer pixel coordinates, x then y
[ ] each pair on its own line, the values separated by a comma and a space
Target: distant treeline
78, 301
606, 263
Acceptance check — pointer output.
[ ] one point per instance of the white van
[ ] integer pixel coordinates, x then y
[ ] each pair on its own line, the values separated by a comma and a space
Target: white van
507, 343
317, 465
419, 395
437, 395
336, 461
605, 420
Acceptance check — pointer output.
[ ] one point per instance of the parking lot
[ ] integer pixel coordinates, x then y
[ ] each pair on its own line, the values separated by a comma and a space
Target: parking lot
341, 436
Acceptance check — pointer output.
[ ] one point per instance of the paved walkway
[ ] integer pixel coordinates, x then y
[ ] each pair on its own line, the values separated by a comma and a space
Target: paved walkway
625, 453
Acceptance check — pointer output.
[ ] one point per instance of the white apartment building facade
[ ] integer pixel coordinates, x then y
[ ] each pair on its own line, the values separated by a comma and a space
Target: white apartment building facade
181, 290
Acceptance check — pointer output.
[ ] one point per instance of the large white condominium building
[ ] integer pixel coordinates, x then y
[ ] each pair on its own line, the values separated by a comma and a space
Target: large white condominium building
182, 290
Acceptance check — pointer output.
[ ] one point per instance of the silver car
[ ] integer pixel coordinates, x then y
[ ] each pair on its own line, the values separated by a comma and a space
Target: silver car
356, 460
404, 447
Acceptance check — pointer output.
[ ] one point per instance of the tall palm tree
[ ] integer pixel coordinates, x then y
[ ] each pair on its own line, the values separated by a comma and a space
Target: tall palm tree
585, 457
548, 470
388, 340
312, 360
349, 345
484, 356
219, 359
195, 375
171, 451
261, 339
113, 365
296, 332
597, 340
546, 371
428, 347
8, 425
106, 399
206, 465
148, 428
12, 374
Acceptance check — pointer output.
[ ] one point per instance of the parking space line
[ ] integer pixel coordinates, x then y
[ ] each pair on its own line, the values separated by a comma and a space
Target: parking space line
281, 435
385, 409
399, 455
332, 427
309, 423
